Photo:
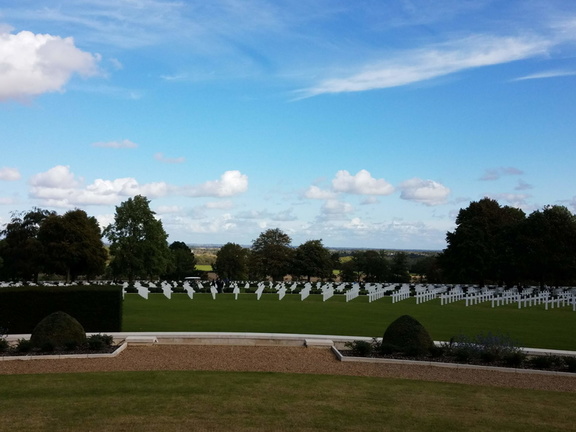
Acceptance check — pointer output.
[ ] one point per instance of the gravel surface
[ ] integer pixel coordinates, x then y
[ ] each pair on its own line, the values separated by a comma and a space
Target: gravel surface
279, 359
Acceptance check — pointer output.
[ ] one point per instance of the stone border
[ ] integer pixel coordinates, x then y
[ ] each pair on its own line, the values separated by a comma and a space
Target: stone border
344, 358
116, 352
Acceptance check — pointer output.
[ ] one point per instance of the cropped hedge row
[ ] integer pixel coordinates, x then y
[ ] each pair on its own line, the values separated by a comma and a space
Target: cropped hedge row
97, 308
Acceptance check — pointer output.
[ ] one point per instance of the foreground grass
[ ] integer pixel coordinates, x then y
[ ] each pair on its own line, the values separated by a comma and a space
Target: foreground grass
531, 327
183, 401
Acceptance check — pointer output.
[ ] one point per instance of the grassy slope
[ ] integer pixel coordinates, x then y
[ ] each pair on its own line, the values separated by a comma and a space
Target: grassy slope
531, 327
182, 401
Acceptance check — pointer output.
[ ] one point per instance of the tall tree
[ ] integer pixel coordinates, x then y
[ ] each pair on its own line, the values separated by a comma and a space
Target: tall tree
138, 242
232, 262
182, 261
271, 254
482, 247
399, 268
73, 245
548, 242
312, 259
22, 252
374, 264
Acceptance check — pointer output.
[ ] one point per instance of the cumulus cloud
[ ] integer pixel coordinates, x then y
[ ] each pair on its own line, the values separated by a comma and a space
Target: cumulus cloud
161, 158
60, 187
116, 144
335, 207
361, 184
33, 64
314, 192
9, 174
496, 173
427, 192
230, 183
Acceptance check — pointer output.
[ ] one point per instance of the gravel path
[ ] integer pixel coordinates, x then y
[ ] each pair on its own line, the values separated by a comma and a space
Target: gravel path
279, 359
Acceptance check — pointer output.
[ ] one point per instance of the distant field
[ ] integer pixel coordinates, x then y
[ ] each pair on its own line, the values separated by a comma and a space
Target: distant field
531, 327
204, 267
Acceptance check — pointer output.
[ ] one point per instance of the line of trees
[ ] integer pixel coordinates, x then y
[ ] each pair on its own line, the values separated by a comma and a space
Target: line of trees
495, 244
491, 244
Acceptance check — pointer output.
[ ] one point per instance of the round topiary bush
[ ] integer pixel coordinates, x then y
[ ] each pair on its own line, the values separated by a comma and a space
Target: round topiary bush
58, 330
408, 336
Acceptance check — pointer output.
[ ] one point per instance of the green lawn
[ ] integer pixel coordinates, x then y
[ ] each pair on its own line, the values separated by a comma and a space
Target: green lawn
230, 401
531, 327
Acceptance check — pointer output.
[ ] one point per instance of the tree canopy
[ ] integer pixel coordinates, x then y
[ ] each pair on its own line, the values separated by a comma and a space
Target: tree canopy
138, 242
232, 262
271, 254
312, 259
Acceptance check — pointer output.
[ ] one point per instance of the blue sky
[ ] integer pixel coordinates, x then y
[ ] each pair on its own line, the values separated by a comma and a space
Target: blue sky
364, 123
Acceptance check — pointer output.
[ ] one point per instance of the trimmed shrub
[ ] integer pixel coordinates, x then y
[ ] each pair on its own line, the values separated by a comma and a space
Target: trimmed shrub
360, 348
97, 342
409, 336
23, 346
58, 329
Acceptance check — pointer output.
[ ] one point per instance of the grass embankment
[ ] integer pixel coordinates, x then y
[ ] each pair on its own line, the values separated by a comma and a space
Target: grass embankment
531, 327
179, 401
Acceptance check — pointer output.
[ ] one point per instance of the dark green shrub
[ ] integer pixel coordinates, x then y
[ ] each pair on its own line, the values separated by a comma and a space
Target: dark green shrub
47, 346
71, 345
4, 345
59, 329
514, 359
542, 362
570, 363
98, 342
360, 348
23, 345
387, 349
409, 336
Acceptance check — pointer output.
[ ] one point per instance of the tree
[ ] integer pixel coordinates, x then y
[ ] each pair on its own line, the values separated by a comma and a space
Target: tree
232, 262
548, 242
374, 264
73, 245
138, 242
271, 254
22, 252
312, 259
182, 261
399, 269
483, 245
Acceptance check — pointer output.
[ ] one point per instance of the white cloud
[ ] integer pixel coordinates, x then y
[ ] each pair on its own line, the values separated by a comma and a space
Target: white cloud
361, 184
426, 192
116, 144
9, 174
496, 173
33, 64
230, 183
219, 205
424, 64
59, 177
547, 74
314, 192
335, 207
161, 158
515, 200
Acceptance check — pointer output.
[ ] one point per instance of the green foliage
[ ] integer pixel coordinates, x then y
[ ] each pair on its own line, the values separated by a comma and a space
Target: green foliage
23, 345
408, 336
271, 255
182, 261
98, 308
73, 245
232, 262
361, 348
57, 330
138, 242
23, 254
486, 348
312, 259
98, 342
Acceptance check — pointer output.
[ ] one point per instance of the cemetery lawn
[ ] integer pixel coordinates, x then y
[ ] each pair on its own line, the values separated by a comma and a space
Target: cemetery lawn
256, 401
531, 327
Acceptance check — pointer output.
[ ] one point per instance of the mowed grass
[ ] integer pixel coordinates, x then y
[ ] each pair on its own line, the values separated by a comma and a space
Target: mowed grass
230, 401
530, 327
